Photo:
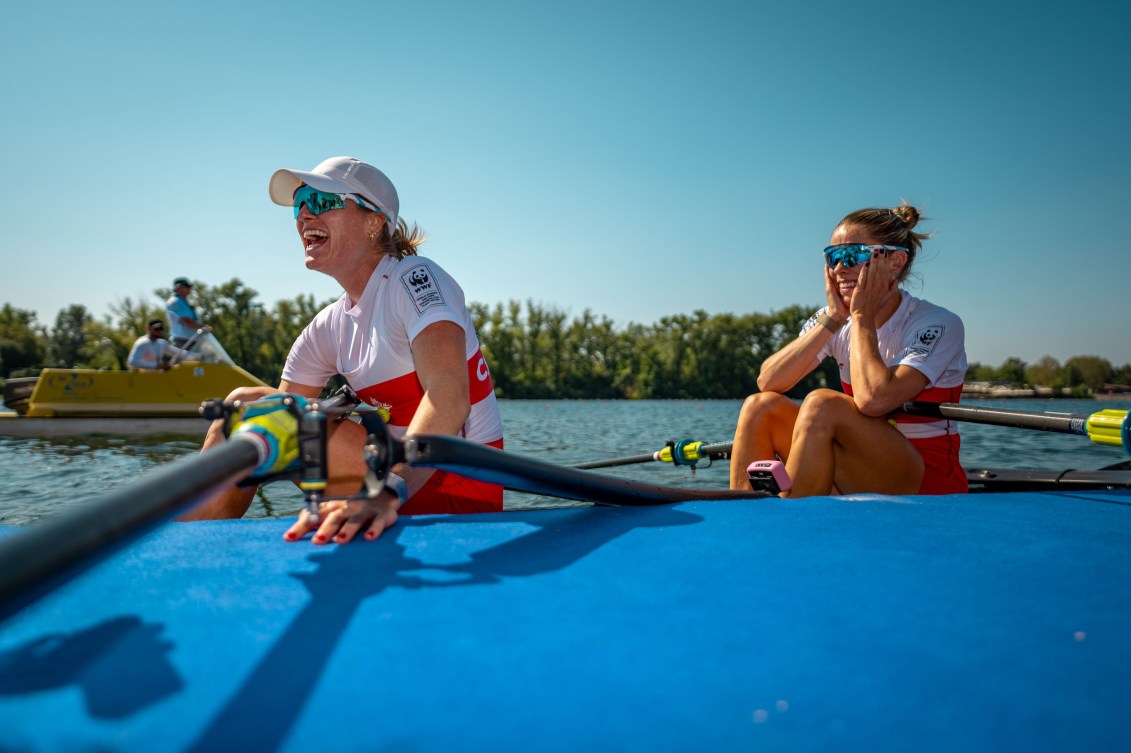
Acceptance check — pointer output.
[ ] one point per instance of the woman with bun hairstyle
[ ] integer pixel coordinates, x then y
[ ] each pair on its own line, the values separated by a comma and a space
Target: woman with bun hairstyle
891, 348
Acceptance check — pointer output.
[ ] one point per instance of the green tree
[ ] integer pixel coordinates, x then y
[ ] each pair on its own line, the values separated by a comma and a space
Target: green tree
534, 351
591, 346
1046, 372
1090, 371
67, 342
1012, 372
500, 331
237, 319
22, 343
1122, 375
980, 372
639, 361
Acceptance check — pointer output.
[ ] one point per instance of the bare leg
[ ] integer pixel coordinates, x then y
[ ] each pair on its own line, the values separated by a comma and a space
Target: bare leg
836, 448
764, 432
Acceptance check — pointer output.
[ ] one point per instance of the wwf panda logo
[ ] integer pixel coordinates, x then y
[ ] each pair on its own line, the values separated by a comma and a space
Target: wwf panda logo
927, 338
421, 288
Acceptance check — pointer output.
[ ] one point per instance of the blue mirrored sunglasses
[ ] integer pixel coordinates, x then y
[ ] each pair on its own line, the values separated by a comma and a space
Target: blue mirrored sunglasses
851, 254
318, 202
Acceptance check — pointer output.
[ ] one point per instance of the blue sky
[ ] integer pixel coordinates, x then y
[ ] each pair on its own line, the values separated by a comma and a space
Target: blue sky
636, 159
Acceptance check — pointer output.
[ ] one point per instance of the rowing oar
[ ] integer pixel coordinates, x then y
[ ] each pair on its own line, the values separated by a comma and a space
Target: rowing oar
1107, 427
683, 452
526, 474
44, 556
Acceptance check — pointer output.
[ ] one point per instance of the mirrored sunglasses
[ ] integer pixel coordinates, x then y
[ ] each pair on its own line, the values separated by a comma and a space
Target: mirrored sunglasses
851, 254
318, 202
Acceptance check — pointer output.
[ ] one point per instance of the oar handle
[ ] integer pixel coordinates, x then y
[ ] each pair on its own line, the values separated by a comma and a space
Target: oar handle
719, 450
613, 462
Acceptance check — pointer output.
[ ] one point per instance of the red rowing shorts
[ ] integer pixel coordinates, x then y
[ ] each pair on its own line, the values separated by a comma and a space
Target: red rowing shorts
448, 493
942, 473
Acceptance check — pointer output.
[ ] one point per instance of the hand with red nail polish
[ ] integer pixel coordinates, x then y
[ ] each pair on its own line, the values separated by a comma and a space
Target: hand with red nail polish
341, 520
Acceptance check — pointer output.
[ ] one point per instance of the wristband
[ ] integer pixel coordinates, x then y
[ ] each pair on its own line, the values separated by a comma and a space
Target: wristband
398, 486
832, 325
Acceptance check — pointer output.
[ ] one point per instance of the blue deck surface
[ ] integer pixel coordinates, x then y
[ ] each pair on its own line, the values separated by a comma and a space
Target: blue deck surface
989, 622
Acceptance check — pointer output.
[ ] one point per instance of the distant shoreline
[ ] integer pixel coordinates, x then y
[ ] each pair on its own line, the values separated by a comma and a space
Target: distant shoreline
977, 391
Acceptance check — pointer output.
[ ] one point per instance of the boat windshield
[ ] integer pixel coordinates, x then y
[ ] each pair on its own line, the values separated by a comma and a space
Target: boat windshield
204, 347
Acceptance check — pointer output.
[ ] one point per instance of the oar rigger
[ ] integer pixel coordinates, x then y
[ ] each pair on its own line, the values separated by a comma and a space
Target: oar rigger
291, 436
1107, 427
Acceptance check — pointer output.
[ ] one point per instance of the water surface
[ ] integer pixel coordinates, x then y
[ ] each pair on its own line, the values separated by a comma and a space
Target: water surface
42, 477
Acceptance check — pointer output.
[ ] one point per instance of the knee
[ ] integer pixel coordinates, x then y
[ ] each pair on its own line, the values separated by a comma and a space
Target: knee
762, 407
824, 408
758, 405
250, 394
215, 434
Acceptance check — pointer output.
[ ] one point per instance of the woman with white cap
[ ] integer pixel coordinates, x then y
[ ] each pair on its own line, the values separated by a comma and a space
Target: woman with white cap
402, 338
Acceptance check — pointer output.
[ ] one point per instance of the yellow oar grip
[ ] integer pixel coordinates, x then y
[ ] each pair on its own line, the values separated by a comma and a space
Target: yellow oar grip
1110, 427
688, 452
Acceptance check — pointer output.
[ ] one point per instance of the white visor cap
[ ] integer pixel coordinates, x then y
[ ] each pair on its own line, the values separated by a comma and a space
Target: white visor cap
340, 175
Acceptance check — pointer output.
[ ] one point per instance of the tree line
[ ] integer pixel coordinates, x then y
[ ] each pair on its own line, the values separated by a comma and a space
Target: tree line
1080, 375
535, 351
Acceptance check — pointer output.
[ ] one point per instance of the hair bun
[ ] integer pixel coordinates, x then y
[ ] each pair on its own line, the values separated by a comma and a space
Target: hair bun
908, 214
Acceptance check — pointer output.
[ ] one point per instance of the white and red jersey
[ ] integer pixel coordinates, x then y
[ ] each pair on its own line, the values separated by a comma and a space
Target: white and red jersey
369, 343
926, 337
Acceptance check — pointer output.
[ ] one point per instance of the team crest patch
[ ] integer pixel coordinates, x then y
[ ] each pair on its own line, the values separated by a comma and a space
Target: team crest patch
926, 339
422, 288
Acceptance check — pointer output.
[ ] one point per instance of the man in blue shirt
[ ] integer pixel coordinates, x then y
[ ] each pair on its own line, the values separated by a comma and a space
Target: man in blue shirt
183, 320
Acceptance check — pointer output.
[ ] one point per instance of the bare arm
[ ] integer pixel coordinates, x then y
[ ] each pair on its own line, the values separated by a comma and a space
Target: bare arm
441, 366
781, 371
877, 389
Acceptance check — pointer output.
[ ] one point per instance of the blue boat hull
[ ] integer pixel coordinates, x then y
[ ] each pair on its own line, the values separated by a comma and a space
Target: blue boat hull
988, 622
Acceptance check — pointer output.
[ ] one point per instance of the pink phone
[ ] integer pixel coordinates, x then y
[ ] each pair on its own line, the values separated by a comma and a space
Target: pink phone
768, 476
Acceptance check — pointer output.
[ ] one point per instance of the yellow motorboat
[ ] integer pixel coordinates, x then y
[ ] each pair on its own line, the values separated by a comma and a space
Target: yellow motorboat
131, 394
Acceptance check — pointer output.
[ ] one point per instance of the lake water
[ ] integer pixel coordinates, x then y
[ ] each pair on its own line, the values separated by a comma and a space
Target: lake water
42, 477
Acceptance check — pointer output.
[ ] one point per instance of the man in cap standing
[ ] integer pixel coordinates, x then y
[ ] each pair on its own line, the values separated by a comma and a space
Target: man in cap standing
183, 320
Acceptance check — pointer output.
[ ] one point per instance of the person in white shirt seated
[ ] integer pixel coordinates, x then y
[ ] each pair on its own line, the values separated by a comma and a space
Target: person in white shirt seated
150, 350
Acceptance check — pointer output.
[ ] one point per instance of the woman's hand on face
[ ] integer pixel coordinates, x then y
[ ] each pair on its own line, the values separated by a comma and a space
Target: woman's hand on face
838, 309
875, 282
340, 520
